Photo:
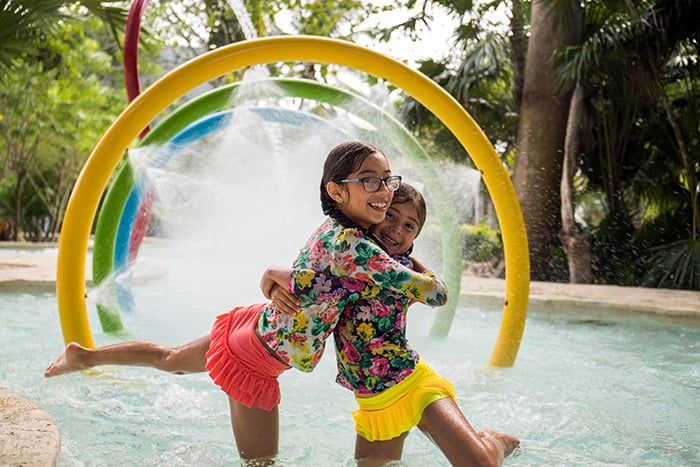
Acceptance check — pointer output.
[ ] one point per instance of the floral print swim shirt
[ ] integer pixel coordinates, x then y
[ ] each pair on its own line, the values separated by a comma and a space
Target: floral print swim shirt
337, 268
299, 340
371, 348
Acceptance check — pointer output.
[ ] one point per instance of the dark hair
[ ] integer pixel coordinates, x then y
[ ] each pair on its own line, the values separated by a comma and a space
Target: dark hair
342, 160
407, 194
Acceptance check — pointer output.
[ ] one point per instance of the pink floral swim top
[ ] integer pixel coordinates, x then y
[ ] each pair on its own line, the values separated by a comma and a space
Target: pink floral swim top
371, 348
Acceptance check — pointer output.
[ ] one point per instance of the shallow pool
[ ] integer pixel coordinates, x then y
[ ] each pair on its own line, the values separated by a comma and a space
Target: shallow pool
584, 391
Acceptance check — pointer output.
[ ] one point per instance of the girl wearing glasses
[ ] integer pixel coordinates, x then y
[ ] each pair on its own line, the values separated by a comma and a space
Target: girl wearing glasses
249, 347
394, 388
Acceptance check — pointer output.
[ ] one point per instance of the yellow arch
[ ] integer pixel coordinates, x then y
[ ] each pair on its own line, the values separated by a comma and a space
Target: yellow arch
82, 206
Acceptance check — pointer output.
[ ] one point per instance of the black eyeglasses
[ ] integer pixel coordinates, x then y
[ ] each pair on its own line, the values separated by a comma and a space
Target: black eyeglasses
373, 184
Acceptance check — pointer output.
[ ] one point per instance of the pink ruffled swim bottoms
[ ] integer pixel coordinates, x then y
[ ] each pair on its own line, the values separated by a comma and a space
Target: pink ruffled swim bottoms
240, 363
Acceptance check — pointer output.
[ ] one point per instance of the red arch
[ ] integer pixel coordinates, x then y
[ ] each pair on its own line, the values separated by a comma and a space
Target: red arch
131, 50
133, 89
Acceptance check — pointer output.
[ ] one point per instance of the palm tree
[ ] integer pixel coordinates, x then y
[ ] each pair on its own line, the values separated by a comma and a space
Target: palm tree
640, 69
36, 46
24, 25
541, 131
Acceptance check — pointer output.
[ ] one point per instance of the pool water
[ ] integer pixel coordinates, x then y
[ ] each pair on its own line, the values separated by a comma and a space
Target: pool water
584, 391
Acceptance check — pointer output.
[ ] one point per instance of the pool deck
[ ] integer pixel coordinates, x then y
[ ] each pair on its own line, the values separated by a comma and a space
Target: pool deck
30, 437
682, 306
36, 272
28, 434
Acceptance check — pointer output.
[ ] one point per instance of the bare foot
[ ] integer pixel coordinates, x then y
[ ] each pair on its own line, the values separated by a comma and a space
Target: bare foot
508, 443
71, 360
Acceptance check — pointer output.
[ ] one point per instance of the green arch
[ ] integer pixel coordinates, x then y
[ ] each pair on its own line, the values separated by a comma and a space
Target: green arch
220, 98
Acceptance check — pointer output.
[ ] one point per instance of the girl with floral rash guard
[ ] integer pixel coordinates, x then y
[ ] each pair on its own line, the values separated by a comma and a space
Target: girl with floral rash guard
249, 347
347, 254
395, 389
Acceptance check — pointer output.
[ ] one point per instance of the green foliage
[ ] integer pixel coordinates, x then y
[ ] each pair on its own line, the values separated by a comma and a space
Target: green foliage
558, 265
483, 83
479, 75
7, 184
460, 7
675, 266
659, 253
53, 115
614, 255
337, 18
669, 256
638, 64
482, 251
481, 244
22, 25
25, 26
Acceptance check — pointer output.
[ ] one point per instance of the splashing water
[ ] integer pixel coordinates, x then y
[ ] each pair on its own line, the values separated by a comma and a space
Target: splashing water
232, 203
247, 195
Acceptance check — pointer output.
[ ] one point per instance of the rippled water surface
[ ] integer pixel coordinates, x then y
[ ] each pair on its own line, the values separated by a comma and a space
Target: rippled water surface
583, 391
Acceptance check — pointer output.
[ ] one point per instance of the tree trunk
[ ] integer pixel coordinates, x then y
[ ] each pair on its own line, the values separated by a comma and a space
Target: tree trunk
576, 244
16, 228
541, 132
517, 47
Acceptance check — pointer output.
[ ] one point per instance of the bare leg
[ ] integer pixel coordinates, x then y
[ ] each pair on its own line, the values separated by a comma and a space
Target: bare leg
447, 426
378, 453
188, 358
256, 432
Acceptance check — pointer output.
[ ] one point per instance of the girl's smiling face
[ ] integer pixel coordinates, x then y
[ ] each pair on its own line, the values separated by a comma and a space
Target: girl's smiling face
363, 208
399, 228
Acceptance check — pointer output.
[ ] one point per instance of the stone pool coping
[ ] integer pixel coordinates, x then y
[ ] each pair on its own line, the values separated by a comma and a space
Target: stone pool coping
28, 434
34, 272
677, 306
30, 437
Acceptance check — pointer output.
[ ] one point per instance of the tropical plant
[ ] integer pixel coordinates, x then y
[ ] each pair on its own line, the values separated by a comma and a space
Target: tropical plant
481, 244
25, 25
638, 64
53, 114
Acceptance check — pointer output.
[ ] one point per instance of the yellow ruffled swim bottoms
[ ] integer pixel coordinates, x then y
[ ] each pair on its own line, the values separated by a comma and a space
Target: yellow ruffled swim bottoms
400, 408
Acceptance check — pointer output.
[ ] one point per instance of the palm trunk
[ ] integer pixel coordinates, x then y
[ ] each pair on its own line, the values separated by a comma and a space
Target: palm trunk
541, 134
17, 222
685, 156
576, 244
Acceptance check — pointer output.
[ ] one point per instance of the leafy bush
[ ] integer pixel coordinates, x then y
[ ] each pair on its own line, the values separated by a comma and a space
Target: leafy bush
659, 253
481, 244
669, 256
675, 266
613, 254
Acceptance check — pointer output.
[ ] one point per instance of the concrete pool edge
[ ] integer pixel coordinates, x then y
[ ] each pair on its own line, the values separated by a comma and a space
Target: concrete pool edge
24, 269
673, 306
28, 434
